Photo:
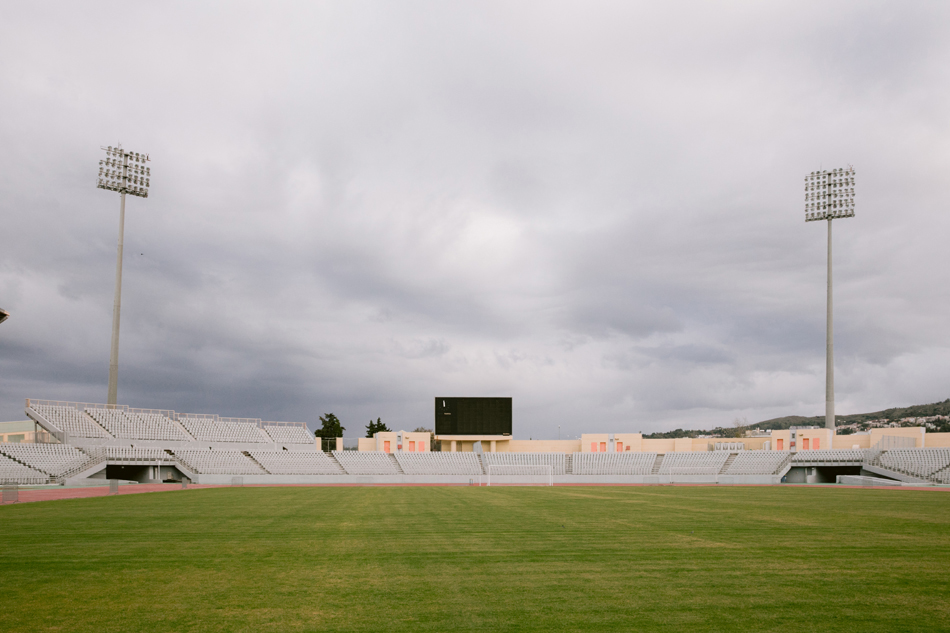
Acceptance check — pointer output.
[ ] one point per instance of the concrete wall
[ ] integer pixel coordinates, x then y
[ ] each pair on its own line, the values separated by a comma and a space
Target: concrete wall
537, 446
937, 440
916, 432
862, 440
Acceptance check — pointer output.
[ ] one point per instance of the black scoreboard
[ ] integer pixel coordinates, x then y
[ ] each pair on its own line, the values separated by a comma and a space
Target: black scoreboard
473, 416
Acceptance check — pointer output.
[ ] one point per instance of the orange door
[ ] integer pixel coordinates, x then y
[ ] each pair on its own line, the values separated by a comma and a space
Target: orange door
422, 447
412, 447
816, 444
603, 447
780, 444
805, 444
619, 447
593, 447
386, 446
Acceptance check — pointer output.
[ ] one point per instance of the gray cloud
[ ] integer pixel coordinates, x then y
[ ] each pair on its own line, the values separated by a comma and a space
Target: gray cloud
593, 208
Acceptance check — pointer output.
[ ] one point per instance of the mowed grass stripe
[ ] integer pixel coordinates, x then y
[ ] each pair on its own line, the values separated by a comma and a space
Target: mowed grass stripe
460, 558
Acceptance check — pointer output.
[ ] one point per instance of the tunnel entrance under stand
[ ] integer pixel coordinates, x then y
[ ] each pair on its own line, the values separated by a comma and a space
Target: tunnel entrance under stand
818, 474
144, 473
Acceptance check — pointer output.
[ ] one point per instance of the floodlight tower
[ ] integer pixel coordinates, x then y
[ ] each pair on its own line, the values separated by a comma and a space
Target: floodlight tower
126, 173
829, 195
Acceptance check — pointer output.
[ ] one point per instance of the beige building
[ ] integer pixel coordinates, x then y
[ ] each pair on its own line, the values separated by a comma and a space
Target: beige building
23, 432
794, 440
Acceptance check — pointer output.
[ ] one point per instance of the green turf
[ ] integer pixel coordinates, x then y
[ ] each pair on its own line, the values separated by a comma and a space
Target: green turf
460, 558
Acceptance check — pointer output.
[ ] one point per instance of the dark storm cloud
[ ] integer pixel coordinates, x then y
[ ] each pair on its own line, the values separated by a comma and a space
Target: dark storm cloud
594, 208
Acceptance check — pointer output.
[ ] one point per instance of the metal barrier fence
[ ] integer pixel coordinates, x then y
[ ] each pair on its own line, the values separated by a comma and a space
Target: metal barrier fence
11, 493
113, 486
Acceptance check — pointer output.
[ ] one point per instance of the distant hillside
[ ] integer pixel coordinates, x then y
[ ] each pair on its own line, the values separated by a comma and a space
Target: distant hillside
915, 411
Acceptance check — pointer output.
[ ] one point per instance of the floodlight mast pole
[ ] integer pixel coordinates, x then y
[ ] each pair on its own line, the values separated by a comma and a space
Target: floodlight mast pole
830, 350
117, 305
130, 176
829, 195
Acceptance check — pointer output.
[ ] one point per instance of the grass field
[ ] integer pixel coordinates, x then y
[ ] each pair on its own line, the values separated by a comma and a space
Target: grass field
462, 559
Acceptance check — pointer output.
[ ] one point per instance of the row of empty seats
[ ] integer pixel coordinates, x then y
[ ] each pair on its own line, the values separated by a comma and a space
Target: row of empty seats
922, 462
439, 463
757, 463
53, 459
613, 463
297, 462
850, 455
69, 419
366, 463
13, 472
698, 463
220, 430
105, 422
218, 462
137, 426
288, 434
557, 461
137, 453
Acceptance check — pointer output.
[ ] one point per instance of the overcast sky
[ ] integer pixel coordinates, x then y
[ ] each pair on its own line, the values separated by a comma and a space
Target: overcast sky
594, 208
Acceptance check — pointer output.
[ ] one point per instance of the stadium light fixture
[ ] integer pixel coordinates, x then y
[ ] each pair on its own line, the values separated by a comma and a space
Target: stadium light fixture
829, 195
4, 315
126, 173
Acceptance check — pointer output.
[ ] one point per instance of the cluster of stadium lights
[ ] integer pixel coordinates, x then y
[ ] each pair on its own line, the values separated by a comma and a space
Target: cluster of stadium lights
829, 194
124, 172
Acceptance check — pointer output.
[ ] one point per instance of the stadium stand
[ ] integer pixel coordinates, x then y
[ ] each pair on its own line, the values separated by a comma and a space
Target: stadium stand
613, 463
439, 463
557, 461
211, 429
850, 455
921, 462
218, 462
13, 472
137, 426
53, 459
71, 420
288, 434
137, 454
366, 463
297, 462
757, 462
696, 463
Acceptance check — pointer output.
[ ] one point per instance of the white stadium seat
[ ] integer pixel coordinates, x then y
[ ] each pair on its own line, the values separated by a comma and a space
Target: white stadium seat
366, 463
695, 463
297, 462
218, 462
286, 434
557, 462
439, 463
757, 462
627, 463
69, 419
52, 459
